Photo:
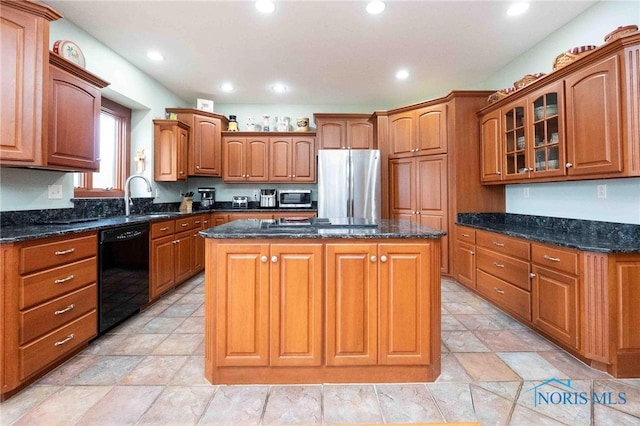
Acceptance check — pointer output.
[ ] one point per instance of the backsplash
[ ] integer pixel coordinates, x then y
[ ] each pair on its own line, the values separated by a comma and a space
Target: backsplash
84, 207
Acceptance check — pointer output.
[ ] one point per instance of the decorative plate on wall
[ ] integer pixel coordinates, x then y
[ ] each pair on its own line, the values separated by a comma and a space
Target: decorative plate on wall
70, 51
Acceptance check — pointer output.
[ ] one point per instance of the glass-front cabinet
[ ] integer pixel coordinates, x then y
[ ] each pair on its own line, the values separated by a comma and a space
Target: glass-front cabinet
532, 136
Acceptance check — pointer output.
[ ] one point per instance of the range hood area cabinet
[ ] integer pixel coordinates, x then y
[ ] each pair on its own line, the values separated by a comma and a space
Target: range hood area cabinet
50, 116
579, 122
344, 131
205, 138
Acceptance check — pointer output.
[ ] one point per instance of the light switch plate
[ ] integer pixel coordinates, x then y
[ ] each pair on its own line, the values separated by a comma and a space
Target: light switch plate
55, 192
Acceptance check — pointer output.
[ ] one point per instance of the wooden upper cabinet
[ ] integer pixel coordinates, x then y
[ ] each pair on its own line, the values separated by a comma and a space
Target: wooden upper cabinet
344, 131
580, 122
24, 31
594, 131
73, 116
431, 130
204, 153
246, 159
421, 131
491, 143
280, 160
170, 150
292, 159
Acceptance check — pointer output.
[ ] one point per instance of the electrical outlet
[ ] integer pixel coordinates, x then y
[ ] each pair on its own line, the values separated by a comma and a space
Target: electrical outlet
602, 191
256, 194
55, 192
525, 192
157, 192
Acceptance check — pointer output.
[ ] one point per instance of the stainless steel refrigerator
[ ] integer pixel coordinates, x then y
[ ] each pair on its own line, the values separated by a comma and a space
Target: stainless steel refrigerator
349, 183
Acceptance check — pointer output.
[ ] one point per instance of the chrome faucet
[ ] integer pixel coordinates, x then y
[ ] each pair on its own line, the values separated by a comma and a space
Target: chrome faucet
127, 198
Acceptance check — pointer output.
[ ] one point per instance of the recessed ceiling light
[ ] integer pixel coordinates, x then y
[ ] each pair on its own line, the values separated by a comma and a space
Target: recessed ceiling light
227, 87
265, 6
279, 88
155, 56
375, 7
402, 74
517, 9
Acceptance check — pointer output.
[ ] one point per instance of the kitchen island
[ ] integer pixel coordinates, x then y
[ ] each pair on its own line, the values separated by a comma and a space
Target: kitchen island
318, 303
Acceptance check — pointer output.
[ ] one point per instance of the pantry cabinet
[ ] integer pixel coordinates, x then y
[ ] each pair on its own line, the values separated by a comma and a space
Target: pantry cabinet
344, 131
170, 141
579, 122
205, 134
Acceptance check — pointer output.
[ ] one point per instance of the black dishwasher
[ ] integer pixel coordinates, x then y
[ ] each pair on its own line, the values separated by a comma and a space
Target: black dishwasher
123, 275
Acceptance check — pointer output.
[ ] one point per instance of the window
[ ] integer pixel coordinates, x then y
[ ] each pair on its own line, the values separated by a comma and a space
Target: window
115, 136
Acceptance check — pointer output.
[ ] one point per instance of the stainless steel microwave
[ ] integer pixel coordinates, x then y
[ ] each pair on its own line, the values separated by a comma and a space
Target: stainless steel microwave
294, 198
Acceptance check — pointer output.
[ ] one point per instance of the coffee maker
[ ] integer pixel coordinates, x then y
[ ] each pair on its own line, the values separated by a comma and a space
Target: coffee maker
207, 197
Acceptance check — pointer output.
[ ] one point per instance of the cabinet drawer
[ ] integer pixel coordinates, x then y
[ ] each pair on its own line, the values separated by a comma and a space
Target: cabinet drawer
510, 269
468, 235
42, 286
58, 252
161, 229
502, 244
42, 352
505, 295
555, 258
42, 319
186, 224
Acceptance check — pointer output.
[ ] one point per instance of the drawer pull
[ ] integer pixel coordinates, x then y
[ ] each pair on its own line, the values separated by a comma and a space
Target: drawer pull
184, 224
465, 235
497, 290
63, 341
166, 228
499, 265
498, 244
553, 259
62, 311
64, 280
59, 253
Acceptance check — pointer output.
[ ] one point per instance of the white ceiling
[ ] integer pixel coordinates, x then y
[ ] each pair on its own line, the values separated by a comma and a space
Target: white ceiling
326, 52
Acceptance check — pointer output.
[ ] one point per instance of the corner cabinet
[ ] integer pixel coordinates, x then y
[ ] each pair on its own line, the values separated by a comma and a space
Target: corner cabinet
580, 122
170, 140
205, 134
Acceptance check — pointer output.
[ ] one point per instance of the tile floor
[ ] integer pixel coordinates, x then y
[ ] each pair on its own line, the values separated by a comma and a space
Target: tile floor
149, 370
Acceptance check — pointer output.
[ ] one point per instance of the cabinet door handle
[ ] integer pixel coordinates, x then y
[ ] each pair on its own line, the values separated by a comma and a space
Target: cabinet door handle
294, 176
198, 167
65, 340
472, 253
532, 275
553, 259
498, 172
62, 311
497, 290
568, 165
499, 265
164, 229
274, 259
61, 252
498, 244
264, 259
181, 172
383, 259
65, 279
373, 259
197, 222
176, 241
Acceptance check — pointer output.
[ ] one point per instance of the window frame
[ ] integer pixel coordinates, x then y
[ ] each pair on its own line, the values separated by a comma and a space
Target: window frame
122, 115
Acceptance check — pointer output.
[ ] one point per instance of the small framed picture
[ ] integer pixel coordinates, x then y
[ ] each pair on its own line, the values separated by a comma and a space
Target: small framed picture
205, 105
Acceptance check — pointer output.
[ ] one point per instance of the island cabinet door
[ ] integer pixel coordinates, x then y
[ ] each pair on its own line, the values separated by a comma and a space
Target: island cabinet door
405, 303
351, 304
242, 305
296, 305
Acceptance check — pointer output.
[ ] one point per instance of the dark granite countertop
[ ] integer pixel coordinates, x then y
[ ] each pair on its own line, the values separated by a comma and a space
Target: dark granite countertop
386, 229
586, 235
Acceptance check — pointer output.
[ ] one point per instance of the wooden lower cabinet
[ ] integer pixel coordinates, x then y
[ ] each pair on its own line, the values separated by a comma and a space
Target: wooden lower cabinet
585, 302
49, 300
336, 311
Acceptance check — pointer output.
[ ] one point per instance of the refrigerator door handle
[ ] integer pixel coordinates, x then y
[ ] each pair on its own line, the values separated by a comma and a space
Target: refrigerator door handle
349, 186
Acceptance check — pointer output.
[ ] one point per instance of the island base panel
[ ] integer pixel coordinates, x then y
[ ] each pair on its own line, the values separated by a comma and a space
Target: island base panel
312, 375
